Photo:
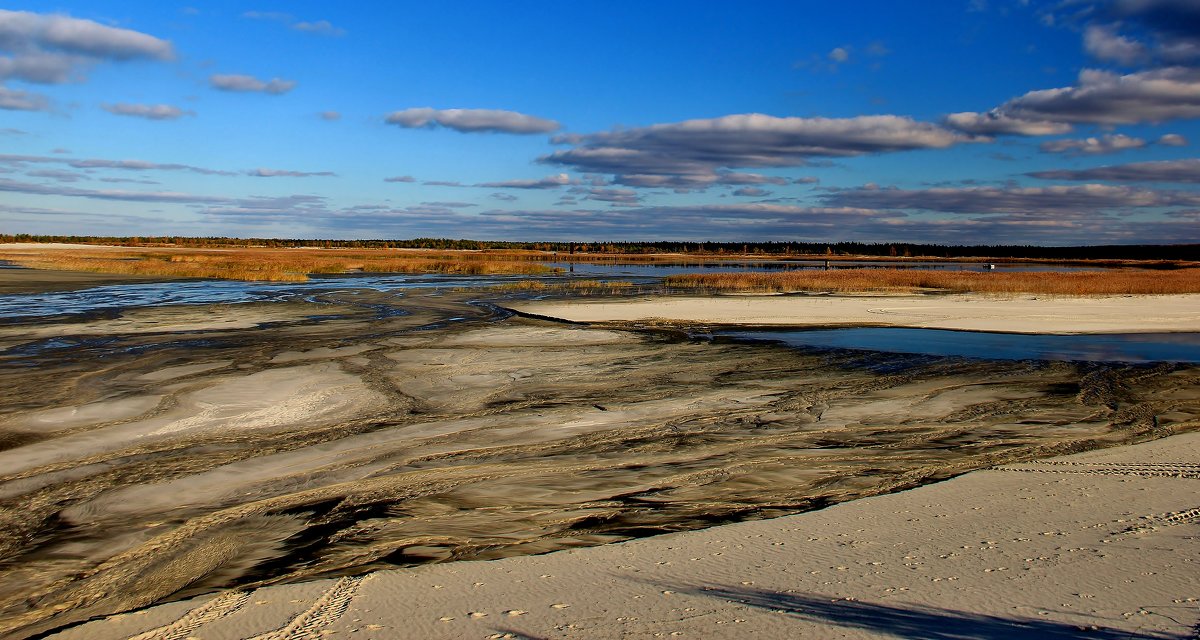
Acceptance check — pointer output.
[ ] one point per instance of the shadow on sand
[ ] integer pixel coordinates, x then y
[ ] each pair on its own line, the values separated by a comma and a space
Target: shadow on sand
918, 622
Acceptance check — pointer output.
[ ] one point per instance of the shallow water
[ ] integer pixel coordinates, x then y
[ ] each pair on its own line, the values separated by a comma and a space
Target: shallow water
144, 294
1129, 347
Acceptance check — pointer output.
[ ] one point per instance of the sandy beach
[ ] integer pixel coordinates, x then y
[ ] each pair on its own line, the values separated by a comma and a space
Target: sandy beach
1094, 545
969, 312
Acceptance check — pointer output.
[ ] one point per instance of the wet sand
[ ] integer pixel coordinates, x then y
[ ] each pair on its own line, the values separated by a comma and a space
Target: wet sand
1095, 545
969, 312
154, 455
17, 280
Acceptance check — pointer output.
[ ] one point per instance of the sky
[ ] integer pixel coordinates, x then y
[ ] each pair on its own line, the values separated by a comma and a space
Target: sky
1065, 122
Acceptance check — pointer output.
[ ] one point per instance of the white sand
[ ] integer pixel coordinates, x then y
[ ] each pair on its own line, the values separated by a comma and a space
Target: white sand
972, 312
1102, 539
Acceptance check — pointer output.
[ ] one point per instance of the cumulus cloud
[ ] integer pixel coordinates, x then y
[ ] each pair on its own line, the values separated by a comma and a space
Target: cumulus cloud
1108, 143
284, 173
55, 48
1105, 98
693, 153
1173, 140
400, 179
1057, 199
472, 120
147, 111
1174, 25
549, 182
47, 48
250, 84
995, 123
839, 55
1104, 43
1181, 171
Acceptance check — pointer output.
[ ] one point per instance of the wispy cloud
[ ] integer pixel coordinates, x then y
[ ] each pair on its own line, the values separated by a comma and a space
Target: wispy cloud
472, 120
285, 173
317, 27
17, 100
147, 111
250, 84
1058, 199
1181, 171
101, 163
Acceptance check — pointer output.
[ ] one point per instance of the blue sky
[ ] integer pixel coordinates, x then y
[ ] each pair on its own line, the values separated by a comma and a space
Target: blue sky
998, 121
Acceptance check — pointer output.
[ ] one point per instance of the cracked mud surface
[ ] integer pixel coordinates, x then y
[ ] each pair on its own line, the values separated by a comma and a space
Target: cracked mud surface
156, 454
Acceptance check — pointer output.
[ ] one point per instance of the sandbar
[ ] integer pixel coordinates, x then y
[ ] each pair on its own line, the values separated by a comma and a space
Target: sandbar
967, 312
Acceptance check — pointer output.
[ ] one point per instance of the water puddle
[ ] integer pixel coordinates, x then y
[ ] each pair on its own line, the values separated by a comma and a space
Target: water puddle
1126, 347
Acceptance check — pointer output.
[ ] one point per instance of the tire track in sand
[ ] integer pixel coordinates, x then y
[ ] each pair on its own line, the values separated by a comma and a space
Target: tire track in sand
307, 625
219, 607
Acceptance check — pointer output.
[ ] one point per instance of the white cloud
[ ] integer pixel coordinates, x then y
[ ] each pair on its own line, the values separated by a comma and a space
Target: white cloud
994, 123
16, 100
1102, 97
147, 111
1058, 199
1173, 140
472, 120
549, 182
1108, 143
695, 153
317, 27
1103, 43
1181, 171
26, 32
284, 173
244, 83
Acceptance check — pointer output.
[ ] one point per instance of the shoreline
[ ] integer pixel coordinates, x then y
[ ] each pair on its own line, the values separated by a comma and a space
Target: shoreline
1019, 314
1019, 548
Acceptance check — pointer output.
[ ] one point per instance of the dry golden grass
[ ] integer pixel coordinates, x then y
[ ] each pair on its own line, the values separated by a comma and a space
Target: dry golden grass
1125, 281
266, 264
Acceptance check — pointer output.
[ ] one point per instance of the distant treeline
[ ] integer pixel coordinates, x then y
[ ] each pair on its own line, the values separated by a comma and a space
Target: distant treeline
896, 249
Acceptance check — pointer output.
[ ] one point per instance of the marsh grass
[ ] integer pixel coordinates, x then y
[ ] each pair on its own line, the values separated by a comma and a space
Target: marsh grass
1125, 281
267, 264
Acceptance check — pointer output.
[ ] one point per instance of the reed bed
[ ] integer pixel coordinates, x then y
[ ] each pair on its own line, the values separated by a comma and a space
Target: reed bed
1125, 281
268, 264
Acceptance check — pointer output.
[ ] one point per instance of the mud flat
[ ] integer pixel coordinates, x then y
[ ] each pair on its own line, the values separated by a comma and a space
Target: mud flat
971, 312
149, 456
1095, 545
